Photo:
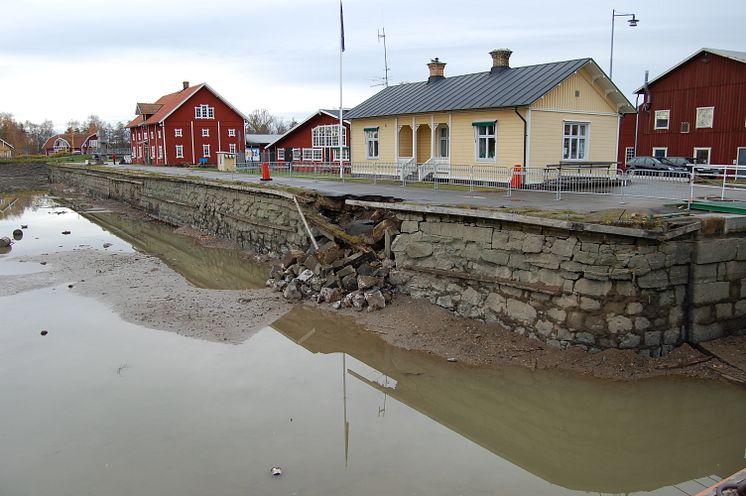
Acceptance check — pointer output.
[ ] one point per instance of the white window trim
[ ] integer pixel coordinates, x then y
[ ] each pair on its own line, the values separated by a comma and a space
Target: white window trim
664, 148
326, 136
297, 154
696, 118
231, 133
160, 151
627, 154
476, 145
206, 150
178, 132
179, 151
159, 134
369, 138
587, 154
345, 154
447, 140
313, 154
280, 154
231, 148
709, 152
668, 119
204, 111
205, 132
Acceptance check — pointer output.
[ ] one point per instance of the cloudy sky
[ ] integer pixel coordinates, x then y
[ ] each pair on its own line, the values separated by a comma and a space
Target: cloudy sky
64, 60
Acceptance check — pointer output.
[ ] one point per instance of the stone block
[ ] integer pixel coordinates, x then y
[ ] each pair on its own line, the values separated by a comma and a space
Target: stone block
545, 260
592, 288
544, 328
550, 278
630, 341
705, 272
589, 304
471, 297
585, 337
735, 270
498, 257
678, 274
518, 261
712, 292
676, 316
625, 288
564, 247
495, 302
500, 239
583, 257
671, 336
706, 332
723, 311
634, 308
566, 301
520, 311
571, 266
410, 226
556, 314
654, 280
575, 320
702, 315
653, 338
533, 243
445, 302
642, 324
716, 250
472, 251
618, 324
740, 308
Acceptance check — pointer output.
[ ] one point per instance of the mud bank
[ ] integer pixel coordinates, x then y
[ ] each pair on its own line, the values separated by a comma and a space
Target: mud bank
23, 177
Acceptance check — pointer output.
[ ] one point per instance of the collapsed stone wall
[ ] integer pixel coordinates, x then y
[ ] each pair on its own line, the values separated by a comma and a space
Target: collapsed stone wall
575, 288
262, 221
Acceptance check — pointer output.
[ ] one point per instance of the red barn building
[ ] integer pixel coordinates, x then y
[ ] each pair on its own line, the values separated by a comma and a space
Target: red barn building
71, 143
696, 109
187, 127
315, 140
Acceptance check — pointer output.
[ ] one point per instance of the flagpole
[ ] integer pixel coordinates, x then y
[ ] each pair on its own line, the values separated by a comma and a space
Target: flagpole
341, 124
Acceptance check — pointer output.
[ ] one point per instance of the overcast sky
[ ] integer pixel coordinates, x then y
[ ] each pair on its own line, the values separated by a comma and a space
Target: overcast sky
64, 60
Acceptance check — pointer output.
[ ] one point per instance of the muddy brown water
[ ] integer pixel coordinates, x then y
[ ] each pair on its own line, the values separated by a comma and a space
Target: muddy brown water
102, 406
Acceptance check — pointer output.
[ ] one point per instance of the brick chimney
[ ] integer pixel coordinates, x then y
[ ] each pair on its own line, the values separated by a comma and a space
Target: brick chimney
500, 59
185, 84
436, 70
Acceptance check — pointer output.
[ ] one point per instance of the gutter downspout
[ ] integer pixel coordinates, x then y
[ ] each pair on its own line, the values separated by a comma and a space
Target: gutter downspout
525, 134
637, 123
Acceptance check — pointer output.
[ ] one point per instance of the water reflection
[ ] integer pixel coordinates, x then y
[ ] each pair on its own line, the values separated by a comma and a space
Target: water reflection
581, 434
202, 266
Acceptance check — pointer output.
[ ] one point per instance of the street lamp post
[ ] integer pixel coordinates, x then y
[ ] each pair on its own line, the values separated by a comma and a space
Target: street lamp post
632, 23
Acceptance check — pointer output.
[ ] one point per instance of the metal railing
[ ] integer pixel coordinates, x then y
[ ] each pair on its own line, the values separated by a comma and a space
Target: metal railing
703, 181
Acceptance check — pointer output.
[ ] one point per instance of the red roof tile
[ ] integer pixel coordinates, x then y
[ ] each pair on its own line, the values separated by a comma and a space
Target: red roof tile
168, 103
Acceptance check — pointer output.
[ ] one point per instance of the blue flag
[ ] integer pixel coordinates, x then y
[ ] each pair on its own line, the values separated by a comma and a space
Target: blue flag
342, 25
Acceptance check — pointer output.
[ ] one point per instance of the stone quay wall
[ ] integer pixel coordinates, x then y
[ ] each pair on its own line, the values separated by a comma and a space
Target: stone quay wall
571, 287
264, 221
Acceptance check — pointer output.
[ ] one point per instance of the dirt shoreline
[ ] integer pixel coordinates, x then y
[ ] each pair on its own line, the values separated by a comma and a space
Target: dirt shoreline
144, 290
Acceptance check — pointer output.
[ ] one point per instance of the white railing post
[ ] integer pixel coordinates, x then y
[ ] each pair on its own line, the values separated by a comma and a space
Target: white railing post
471, 178
691, 190
559, 183
725, 176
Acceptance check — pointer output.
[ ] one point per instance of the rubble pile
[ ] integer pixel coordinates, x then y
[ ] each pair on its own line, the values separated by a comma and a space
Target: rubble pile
352, 276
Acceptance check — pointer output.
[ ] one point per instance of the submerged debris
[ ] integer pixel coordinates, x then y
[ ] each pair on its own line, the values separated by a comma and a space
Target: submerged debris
44, 332
4, 241
276, 471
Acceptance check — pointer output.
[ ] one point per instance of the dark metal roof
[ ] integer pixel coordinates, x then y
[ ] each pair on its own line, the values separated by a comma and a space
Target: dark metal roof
510, 87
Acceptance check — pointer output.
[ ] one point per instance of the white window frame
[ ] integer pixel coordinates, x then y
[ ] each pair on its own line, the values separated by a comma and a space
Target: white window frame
327, 136
372, 145
178, 132
444, 140
204, 111
584, 138
629, 153
709, 152
160, 151
345, 154
206, 150
205, 132
231, 148
700, 116
231, 133
159, 134
656, 148
485, 136
313, 154
280, 152
151, 134
179, 151
661, 113
297, 154
152, 152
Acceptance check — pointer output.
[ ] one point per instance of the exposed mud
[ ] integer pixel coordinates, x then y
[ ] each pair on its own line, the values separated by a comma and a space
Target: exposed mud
23, 177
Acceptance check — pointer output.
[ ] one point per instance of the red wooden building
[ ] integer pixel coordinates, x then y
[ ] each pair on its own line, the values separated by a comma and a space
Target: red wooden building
695, 109
71, 143
187, 127
315, 140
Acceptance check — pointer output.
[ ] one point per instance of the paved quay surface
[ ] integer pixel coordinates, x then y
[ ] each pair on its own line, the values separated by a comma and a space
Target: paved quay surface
426, 194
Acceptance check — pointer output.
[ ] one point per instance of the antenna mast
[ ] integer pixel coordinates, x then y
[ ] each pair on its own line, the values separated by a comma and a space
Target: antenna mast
382, 36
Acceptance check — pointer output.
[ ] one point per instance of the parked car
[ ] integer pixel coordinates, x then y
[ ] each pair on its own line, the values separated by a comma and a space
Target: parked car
653, 164
691, 164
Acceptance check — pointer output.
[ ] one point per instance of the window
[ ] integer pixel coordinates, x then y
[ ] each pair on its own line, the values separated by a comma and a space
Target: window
151, 134
134, 151
443, 141
702, 155
204, 111
704, 117
159, 134
345, 154
629, 152
205, 150
231, 148
327, 136
313, 154
296, 154
160, 151
231, 133
371, 142
684, 127
178, 133
661, 119
139, 151
179, 151
660, 151
280, 154
152, 151
575, 141
485, 132
205, 132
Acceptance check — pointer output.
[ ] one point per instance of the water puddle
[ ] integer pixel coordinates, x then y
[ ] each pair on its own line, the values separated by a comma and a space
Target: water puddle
101, 406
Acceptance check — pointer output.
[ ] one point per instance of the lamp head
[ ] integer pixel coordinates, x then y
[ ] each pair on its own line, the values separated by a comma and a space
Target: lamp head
633, 22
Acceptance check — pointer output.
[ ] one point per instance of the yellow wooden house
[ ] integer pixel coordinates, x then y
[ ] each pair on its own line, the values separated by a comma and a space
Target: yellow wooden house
537, 116
6, 149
